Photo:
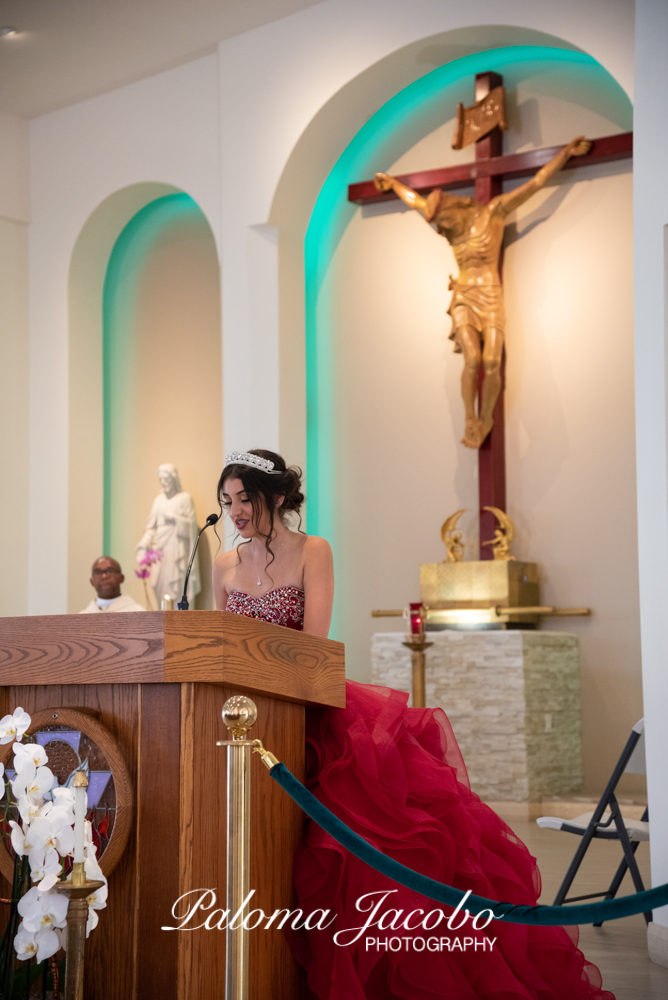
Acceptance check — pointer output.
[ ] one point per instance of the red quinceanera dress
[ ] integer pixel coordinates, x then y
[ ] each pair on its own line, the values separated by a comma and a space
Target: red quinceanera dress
395, 776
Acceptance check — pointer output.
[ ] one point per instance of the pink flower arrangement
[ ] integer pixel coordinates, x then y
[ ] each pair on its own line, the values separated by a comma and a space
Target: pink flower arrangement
152, 556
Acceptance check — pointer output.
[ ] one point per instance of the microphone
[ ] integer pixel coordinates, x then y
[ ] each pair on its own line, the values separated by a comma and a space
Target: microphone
183, 603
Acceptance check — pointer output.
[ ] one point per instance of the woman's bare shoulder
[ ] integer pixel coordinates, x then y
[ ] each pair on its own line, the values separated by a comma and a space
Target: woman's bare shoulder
226, 560
317, 544
317, 548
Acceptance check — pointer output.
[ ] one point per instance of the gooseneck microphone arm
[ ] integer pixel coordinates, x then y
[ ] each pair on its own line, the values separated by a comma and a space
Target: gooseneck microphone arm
183, 603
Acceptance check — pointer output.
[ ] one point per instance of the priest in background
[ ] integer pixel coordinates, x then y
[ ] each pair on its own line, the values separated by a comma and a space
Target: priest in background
106, 579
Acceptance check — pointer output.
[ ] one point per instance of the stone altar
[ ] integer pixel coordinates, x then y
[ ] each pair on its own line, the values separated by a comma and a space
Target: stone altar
513, 698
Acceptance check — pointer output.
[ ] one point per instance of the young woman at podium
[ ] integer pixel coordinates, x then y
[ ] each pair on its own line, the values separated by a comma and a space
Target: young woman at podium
395, 776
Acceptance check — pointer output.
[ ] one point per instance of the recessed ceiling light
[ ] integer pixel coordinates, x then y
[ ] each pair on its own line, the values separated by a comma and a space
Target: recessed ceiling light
8, 31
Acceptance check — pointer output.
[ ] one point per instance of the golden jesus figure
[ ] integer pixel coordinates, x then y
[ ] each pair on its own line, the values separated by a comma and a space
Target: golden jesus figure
475, 233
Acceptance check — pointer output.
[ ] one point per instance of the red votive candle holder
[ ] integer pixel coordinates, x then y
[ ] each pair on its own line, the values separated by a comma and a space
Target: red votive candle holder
417, 619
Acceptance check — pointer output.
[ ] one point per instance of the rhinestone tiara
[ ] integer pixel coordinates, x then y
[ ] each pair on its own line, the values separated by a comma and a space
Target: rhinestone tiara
254, 461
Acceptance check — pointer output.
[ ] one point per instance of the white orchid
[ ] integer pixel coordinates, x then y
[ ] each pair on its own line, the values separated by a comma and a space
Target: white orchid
28, 751
97, 899
90, 850
52, 830
32, 781
42, 911
25, 943
45, 835
50, 879
45, 867
48, 943
2, 781
93, 870
63, 798
28, 809
21, 841
40, 946
12, 727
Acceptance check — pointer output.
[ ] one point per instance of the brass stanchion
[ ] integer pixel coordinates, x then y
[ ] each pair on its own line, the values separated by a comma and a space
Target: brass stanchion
78, 890
239, 714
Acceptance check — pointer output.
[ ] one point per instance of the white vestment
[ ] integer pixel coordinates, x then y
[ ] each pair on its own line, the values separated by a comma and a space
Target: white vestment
122, 603
172, 528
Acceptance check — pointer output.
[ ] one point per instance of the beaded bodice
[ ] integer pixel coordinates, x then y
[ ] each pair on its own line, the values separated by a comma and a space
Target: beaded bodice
282, 606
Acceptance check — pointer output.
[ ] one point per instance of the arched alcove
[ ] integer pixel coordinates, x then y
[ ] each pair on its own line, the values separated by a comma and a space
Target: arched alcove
412, 91
145, 373
313, 159
403, 120
382, 477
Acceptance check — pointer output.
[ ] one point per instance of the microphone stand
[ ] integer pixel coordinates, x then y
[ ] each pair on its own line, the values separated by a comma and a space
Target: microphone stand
183, 603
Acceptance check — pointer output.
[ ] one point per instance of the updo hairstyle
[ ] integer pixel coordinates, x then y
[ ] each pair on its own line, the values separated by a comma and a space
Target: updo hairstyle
264, 489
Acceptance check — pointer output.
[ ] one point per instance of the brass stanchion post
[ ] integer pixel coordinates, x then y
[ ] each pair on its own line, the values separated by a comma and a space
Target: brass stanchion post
78, 890
239, 714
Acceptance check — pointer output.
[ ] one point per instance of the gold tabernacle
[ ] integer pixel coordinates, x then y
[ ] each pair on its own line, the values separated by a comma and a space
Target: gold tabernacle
480, 594
470, 593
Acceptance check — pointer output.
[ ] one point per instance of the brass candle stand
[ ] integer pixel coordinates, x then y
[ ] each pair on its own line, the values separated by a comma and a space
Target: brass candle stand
417, 643
417, 647
77, 890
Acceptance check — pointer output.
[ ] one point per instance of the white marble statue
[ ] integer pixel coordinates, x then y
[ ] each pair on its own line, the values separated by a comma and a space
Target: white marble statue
171, 530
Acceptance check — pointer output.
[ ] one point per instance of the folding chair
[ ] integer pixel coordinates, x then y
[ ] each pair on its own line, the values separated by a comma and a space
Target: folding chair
607, 823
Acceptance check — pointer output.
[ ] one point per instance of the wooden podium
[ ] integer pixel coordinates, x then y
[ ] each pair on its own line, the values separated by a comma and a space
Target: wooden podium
158, 682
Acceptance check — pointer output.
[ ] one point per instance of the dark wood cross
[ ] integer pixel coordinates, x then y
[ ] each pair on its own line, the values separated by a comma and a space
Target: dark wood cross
488, 171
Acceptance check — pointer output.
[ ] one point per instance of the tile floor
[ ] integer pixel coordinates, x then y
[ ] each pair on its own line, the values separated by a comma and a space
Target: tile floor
619, 948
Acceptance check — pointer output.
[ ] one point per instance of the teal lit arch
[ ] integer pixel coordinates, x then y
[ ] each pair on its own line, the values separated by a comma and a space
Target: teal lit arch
120, 381
407, 117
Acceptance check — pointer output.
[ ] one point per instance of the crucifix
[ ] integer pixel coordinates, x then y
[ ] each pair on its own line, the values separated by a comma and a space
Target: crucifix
474, 228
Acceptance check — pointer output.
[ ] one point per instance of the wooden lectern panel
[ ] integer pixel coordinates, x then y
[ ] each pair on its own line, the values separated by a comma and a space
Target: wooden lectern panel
276, 831
158, 682
157, 646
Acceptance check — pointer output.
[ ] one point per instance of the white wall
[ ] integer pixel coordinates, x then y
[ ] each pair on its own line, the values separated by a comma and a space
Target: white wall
14, 384
164, 129
651, 334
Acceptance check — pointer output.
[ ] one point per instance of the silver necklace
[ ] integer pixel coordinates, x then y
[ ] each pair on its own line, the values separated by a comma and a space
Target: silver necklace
257, 568
259, 578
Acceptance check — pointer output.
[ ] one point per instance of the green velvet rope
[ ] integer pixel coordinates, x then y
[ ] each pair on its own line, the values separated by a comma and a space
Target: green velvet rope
588, 913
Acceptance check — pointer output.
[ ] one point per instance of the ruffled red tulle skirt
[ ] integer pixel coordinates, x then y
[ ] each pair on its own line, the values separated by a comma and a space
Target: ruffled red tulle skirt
396, 776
